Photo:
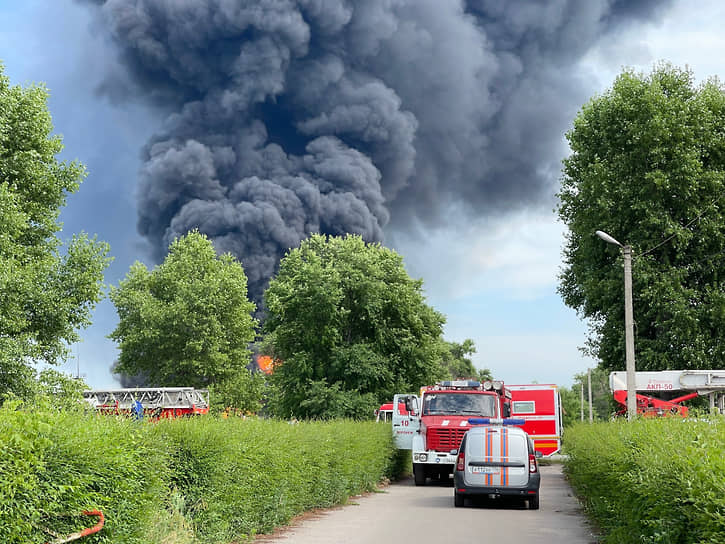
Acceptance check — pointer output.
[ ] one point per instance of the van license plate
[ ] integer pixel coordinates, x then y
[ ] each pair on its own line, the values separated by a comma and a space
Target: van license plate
484, 470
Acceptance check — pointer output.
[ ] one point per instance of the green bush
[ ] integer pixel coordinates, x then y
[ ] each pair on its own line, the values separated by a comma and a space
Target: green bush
243, 477
242, 393
55, 464
652, 480
202, 479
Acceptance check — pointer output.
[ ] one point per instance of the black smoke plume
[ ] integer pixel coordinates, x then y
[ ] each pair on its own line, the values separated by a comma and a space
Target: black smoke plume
291, 117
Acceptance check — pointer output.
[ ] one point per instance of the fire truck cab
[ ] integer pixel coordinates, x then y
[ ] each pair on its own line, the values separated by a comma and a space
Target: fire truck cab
437, 420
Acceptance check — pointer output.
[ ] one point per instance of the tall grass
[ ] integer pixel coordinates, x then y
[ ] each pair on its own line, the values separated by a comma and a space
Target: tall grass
201, 480
652, 480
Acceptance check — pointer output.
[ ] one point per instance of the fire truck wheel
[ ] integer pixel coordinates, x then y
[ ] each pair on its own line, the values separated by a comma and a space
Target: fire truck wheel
457, 500
419, 473
534, 502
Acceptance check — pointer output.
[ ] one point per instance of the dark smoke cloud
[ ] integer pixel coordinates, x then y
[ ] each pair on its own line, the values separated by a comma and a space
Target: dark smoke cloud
291, 117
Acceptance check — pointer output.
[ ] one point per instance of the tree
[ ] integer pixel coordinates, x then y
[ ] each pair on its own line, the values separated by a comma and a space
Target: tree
456, 361
484, 374
350, 327
570, 404
60, 390
603, 405
242, 393
648, 167
188, 321
47, 290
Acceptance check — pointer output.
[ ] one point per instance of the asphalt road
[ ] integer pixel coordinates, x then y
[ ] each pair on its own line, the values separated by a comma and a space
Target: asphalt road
403, 513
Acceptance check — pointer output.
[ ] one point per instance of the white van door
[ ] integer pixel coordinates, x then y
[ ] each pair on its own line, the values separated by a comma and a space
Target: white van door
406, 420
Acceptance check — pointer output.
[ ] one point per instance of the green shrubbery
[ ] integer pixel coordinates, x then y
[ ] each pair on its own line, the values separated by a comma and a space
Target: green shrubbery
193, 480
57, 463
244, 477
654, 480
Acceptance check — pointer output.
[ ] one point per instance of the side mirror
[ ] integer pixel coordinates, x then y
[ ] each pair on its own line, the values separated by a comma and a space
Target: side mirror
538, 454
506, 410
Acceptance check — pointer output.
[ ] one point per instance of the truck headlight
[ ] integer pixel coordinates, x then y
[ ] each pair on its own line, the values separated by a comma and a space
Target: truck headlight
423, 457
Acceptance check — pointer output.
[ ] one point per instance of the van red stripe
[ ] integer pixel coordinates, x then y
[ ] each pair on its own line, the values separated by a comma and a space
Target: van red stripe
489, 447
504, 454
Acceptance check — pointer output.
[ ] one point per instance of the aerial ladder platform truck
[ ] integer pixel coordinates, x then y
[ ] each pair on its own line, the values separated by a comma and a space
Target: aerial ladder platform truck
674, 388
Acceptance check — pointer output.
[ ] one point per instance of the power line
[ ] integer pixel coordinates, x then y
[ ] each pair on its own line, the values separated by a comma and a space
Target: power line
686, 226
721, 252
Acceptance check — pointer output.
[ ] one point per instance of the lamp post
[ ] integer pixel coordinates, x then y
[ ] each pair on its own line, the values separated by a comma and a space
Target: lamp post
628, 323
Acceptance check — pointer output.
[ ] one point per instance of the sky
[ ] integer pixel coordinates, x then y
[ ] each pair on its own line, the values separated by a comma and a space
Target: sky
434, 128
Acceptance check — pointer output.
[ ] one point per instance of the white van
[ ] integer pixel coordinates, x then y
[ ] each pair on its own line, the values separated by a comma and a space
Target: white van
494, 460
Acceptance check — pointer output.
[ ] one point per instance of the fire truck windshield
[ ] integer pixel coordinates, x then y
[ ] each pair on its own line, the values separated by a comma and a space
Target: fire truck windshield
459, 403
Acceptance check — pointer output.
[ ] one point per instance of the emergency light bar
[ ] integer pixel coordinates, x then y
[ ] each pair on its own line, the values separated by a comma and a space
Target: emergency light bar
459, 383
488, 385
495, 421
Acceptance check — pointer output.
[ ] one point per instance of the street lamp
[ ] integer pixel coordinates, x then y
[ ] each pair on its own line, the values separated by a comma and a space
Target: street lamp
628, 324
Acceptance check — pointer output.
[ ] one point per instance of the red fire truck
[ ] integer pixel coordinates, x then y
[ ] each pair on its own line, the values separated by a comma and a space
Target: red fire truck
539, 405
433, 425
384, 414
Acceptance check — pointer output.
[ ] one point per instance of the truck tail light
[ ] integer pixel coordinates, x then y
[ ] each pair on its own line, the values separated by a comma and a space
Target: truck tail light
532, 463
461, 461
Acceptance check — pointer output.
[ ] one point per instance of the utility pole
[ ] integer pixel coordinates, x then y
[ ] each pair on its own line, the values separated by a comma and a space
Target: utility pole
629, 334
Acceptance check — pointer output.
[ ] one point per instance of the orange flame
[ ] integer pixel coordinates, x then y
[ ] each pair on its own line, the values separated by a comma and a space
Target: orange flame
265, 363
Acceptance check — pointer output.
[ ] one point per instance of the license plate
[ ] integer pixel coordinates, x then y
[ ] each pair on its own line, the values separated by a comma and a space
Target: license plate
484, 470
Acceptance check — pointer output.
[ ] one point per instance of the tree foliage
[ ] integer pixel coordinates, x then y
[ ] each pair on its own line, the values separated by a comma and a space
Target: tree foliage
350, 327
648, 167
47, 290
240, 394
456, 361
603, 405
188, 321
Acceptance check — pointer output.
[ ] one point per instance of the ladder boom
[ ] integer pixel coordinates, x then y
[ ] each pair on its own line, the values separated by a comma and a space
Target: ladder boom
703, 381
151, 398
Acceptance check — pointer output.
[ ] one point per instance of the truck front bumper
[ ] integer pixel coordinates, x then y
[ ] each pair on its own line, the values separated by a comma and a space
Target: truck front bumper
433, 458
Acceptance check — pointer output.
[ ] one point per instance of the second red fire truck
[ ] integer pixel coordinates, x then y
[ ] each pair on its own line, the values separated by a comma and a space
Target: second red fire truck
432, 425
